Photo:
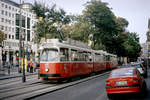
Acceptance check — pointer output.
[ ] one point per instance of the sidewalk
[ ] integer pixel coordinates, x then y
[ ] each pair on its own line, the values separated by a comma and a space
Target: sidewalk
4, 73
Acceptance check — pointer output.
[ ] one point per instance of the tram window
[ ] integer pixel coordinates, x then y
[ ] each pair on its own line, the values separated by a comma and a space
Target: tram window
108, 58
43, 56
50, 55
88, 57
74, 55
64, 54
81, 56
104, 57
98, 57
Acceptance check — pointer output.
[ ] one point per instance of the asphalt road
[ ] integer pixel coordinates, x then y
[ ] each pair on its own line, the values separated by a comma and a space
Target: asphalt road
91, 90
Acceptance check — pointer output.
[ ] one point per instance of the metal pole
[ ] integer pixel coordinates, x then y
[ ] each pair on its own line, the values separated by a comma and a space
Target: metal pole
9, 60
23, 77
21, 49
20, 39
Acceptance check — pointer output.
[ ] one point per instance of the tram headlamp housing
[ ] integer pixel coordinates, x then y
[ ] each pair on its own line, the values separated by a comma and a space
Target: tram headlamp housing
46, 70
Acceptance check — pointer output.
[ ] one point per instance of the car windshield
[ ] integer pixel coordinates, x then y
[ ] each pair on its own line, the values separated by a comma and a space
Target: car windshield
116, 73
50, 55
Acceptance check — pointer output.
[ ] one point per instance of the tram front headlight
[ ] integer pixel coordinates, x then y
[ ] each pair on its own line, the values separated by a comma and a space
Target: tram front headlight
46, 70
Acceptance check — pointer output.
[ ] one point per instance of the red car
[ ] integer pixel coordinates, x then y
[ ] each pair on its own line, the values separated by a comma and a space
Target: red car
125, 80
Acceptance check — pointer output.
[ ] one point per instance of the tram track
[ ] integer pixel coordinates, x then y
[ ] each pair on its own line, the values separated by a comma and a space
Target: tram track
10, 80
24, 90
39, 89
17, 84
19, 87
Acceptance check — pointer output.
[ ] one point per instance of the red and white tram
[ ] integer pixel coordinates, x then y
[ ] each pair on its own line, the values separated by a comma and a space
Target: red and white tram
62, 60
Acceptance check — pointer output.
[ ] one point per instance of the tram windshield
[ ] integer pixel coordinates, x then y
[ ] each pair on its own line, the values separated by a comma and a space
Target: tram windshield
50, 55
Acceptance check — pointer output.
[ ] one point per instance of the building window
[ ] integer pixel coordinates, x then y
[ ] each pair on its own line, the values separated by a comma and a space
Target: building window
17, 33
12, 36
28, 35
9, 7
23, 21
5, 20
9, 28
13, 9
2, 19
17, 19
28, 23
9, 14
5, 28
2, 12
5, 6
12, 22
9, 21
2, 27
12, 29
12, 15
2, 5
6, 13
6, 36
9, 36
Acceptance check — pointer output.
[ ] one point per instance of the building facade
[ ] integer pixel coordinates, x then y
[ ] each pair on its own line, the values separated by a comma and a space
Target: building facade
146, 46
10, 24
144, 51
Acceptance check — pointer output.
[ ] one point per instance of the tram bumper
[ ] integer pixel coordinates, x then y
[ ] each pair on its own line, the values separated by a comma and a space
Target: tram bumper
50, 76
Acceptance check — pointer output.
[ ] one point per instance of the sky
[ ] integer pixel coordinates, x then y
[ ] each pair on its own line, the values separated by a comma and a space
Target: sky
137, 12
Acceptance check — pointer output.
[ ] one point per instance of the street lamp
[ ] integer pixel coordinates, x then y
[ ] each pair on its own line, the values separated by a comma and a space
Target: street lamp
21, 47
23, 56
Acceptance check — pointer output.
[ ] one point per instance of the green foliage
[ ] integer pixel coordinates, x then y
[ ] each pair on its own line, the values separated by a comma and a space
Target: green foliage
97, 24
39, 9
51, 25
133, 47
80, 30
102, 18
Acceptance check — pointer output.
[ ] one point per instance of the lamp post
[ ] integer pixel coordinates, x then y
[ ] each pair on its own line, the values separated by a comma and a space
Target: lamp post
23, 56
21, 46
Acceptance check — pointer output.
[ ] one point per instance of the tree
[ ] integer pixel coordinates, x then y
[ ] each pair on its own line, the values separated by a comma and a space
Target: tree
39, 9
121, 37
122, 24
133, 47
52, 21
2, 36
100, 16
79, 30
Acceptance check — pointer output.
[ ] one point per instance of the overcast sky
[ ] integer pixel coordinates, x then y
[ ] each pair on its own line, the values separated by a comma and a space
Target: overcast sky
136, 12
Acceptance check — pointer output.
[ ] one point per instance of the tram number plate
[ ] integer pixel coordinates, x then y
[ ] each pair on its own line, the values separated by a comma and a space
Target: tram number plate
121, 83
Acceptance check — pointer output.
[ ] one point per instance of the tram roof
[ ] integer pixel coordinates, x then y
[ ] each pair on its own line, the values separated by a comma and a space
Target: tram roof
56, 43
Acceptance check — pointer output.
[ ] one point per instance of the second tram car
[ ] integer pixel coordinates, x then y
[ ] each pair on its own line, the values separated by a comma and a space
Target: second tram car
62, 60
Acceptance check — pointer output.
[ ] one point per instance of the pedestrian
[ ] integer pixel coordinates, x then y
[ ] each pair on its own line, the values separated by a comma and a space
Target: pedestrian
3, 58
31, 66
